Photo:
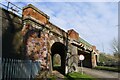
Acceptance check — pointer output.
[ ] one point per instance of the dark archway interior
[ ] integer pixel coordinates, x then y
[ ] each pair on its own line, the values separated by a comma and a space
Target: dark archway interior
96, 59
59, 48
87, 62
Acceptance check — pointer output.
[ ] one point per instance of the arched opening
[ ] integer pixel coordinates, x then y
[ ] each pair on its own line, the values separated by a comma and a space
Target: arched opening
56, 60
87, 62
96, 57
59, 49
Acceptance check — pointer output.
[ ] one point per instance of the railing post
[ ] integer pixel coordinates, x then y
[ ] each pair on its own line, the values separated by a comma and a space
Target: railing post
6, 67
3, 68
16, 65
13, 68
8, 72
8, 5
18, 69
21, 69
30, 69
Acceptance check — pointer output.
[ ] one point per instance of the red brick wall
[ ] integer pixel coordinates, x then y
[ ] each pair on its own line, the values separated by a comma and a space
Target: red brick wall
94, 47
34, 14
73, 34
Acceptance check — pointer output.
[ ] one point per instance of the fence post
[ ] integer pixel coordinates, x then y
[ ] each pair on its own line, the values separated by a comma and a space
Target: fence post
31, 68
29, 63
21, 67
16, 71
25, 68
8, 68
3, 68
13, 68
18, 75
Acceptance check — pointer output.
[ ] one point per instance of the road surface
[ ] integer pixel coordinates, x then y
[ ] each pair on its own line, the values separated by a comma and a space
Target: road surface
100, 73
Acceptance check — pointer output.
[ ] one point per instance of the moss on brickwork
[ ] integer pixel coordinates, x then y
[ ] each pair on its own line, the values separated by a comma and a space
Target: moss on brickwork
11, 35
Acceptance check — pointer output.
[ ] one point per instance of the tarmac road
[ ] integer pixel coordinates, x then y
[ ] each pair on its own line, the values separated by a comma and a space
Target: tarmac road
101, 73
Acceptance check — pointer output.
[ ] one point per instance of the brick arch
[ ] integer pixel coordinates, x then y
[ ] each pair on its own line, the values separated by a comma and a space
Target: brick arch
87, 62
55, 38
59, 48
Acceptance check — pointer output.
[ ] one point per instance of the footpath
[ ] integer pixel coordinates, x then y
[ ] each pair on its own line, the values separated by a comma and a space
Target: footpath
101, 73
44, 75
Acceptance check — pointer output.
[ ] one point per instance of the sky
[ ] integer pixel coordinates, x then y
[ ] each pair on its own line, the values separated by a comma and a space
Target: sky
96, 22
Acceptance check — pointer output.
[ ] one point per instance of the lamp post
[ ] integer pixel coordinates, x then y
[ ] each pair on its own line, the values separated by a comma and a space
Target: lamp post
81, 58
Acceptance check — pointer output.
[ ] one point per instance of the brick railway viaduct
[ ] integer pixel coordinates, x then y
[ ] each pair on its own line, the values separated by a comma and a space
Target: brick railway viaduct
45, 42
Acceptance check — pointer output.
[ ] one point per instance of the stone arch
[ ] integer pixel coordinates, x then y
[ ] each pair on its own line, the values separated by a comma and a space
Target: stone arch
87, 62
96, 59
59, 48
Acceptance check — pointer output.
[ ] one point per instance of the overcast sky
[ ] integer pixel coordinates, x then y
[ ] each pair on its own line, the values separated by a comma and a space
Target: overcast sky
96, 22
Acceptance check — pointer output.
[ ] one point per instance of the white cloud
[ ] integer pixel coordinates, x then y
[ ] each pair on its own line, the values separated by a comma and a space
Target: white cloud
95, 22
63, 0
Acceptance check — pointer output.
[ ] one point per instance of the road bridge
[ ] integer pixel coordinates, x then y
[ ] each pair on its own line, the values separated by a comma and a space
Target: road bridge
34, 37
43, 41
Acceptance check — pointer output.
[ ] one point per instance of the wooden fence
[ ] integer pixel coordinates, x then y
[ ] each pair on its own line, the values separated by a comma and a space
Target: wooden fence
12, 68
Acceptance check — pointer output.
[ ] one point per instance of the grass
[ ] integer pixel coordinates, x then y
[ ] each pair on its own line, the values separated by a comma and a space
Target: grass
79, 76
52, 77
70, 76
115, 69
73, 76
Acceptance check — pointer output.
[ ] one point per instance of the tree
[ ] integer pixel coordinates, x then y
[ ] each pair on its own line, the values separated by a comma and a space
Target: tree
106, 59
115, 48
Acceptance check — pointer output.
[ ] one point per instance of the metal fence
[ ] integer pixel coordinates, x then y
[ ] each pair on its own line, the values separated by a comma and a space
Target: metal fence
12, 68
12, 7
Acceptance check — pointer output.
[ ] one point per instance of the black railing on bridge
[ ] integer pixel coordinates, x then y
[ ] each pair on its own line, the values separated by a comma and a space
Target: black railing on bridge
12, 68
12, 7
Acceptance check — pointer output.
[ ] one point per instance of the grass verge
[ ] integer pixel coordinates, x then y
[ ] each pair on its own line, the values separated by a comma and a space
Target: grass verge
115, 69
79, 76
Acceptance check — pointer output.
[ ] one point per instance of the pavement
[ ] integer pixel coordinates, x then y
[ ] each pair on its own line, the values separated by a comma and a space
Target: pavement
58, 74
100, 73
45, 74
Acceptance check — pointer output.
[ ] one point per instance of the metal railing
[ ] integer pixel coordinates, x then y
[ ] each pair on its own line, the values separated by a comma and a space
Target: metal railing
12, 7
12, 68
